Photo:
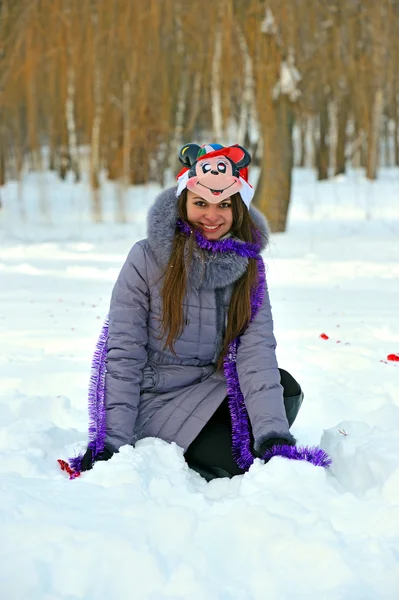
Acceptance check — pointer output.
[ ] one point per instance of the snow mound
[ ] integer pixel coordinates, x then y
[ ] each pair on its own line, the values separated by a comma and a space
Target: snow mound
364, 457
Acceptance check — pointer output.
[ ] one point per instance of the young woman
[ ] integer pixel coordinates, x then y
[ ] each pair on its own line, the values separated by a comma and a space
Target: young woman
189, 352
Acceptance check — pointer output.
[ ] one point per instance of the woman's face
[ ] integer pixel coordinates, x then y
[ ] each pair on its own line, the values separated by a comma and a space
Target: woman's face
214, 220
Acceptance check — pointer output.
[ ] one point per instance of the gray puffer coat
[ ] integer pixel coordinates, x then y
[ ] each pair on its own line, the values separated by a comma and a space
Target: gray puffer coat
149, 391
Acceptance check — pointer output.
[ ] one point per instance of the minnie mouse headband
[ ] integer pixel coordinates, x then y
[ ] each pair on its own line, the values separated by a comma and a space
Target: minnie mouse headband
215, 172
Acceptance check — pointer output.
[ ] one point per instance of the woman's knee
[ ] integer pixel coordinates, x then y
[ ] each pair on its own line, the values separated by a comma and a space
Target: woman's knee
293, 395
290, 385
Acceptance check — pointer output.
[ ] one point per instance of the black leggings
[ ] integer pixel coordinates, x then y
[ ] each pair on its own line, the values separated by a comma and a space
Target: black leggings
210, 454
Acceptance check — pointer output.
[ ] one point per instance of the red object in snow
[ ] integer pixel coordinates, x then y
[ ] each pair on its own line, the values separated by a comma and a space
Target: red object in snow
394, 357
324, 336
65, 467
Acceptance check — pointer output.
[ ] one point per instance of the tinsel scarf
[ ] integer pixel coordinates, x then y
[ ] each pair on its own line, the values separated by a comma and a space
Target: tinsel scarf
241, 441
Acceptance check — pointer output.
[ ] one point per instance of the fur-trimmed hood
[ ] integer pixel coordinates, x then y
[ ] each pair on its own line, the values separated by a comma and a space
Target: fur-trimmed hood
209, 270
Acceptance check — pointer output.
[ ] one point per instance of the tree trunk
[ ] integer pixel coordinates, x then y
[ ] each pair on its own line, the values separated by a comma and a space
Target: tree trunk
95, 133
194, 106
51, 159
63, 163
139, 159
114, 150
373, 135
247, 96
217, 118
19, 165
396, 145
34, 160
2, 168
2, 155
322, 148
120, 203
342, 119
121, 192
273, 191
96, 124
127, 142
176, 140
354, 155
387, 143
71, 124
302, 142
52, 149
95, 149
396, 127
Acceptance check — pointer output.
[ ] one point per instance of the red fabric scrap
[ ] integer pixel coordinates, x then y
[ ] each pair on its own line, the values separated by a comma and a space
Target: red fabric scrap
324, 336
393, 357
65, 467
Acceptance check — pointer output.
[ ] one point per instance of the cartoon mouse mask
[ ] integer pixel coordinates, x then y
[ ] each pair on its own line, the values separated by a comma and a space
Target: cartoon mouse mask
215, 172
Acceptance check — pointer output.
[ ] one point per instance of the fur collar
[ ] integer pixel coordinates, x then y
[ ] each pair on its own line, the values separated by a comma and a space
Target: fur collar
208, 270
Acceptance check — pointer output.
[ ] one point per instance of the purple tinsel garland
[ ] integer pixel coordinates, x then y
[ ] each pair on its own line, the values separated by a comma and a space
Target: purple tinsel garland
241, 443
314, 455
239, 417
245, 249
96, 400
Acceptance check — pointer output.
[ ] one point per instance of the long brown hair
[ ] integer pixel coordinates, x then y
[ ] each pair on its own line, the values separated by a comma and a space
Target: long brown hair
175, 282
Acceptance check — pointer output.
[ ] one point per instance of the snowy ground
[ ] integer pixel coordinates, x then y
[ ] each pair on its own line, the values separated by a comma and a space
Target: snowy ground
143, 526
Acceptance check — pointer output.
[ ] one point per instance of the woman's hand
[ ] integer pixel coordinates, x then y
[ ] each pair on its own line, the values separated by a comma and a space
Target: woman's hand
88, 462
269, 444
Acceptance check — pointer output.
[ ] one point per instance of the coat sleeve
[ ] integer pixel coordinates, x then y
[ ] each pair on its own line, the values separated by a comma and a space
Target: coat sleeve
126, 348
260, 378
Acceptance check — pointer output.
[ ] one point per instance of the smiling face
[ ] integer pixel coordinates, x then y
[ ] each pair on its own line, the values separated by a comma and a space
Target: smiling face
213, 220
213, 179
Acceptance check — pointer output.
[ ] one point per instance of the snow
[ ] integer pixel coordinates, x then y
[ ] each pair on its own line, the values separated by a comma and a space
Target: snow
268, 25
143, 525
287, 84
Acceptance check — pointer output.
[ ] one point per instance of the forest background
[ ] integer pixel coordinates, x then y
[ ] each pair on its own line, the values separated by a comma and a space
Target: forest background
112, 88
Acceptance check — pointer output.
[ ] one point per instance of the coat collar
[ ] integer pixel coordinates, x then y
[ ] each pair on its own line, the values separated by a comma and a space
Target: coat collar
208, 270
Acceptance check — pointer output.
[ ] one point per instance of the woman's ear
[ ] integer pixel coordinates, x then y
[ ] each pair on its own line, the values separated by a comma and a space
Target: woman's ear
188, 154
245, 160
